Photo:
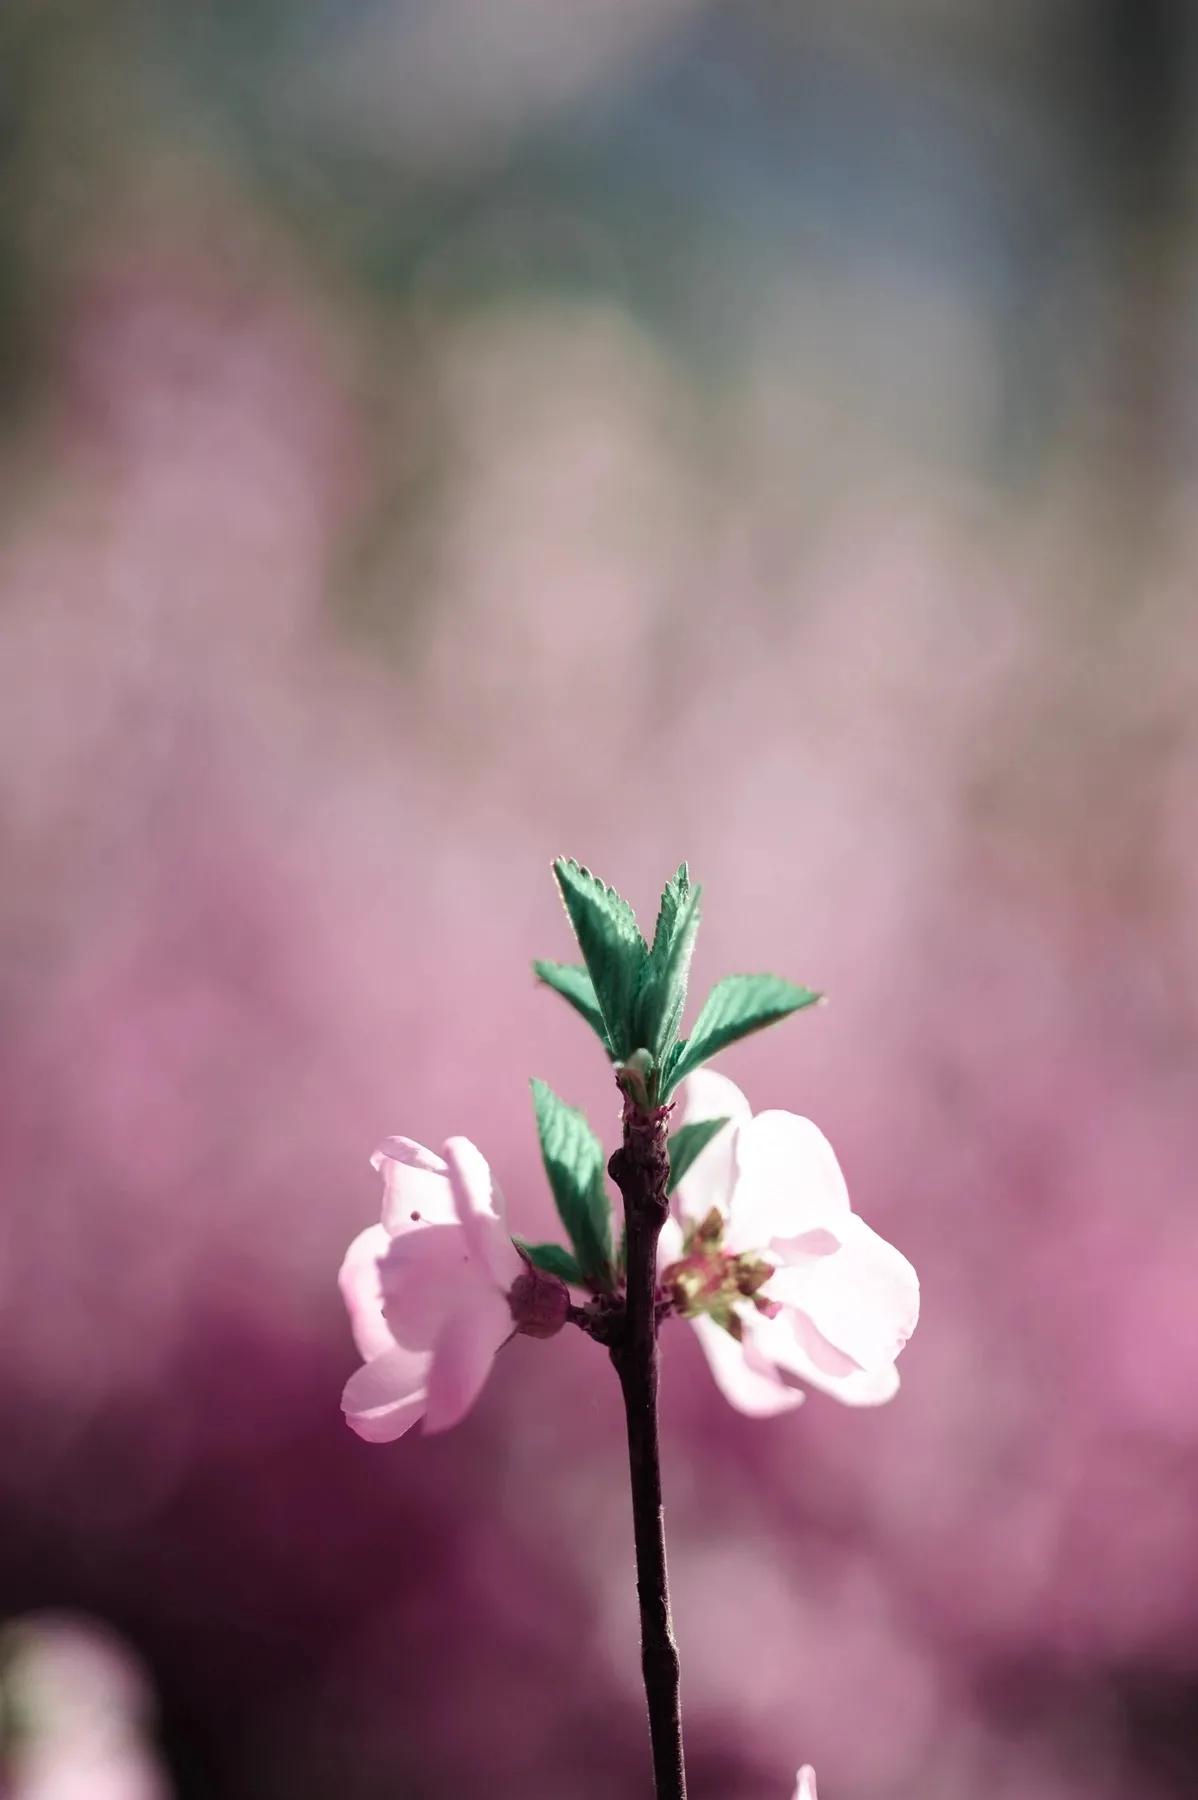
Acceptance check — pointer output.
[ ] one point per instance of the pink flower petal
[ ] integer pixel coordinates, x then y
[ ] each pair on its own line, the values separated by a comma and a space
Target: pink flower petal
424, 1280
746, 1380
669, 1244
806, 1784
387, 1396
479, 1207
415, 1185
707, 1095
462, 1359
864, 1299
708, 1182
815, 1347
413, 1155
792, 1342
788, 1182
805, 1247
362, 1292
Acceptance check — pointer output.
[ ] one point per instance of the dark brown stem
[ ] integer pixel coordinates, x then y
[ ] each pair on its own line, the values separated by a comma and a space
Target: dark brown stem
641, 1170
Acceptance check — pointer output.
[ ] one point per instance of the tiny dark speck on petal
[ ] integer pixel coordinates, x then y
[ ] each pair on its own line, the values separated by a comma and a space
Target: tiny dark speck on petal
415, 1216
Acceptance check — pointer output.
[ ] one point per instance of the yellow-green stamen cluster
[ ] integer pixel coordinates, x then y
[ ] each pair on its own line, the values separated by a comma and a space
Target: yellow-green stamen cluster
709, 1280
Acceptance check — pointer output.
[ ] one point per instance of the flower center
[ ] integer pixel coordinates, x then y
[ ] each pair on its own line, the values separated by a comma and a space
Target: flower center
707, 1279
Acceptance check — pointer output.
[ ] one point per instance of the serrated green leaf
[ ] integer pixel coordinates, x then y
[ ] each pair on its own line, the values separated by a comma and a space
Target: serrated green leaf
688, 1142
574, 1163
572, 982
662, 994
736, 1006
673, 1057
554, 1259
612, 948
672, 897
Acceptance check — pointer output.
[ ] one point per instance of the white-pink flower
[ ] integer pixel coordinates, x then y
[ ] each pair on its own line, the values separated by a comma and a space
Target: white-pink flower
434, 1290
806, 1784
778, 1275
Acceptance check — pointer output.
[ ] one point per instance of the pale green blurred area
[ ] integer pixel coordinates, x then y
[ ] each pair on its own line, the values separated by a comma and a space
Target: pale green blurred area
442, 435
949, 239
76, 1715
641, 311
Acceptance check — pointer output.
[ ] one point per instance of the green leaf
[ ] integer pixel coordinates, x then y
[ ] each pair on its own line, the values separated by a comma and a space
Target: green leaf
662, 993
573, 983
688, 1142
673, 1057
612, 948
736, 1006
672, 897
574, 1163
553, 1259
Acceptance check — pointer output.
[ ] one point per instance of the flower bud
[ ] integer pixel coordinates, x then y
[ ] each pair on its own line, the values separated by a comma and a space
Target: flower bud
539, 1302
634, 1075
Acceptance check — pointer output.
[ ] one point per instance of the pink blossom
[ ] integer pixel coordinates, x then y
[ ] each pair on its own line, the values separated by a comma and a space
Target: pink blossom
430, 1291
806, 1784
778, 1275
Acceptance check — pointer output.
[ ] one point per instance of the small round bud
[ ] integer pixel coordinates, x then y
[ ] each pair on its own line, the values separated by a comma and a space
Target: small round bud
539, 1302
633, 1077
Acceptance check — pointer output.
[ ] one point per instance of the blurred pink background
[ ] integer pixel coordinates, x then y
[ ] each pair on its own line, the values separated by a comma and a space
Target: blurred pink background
441, 437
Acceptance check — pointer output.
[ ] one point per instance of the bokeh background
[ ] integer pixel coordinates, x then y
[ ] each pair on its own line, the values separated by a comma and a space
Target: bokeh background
438, 435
